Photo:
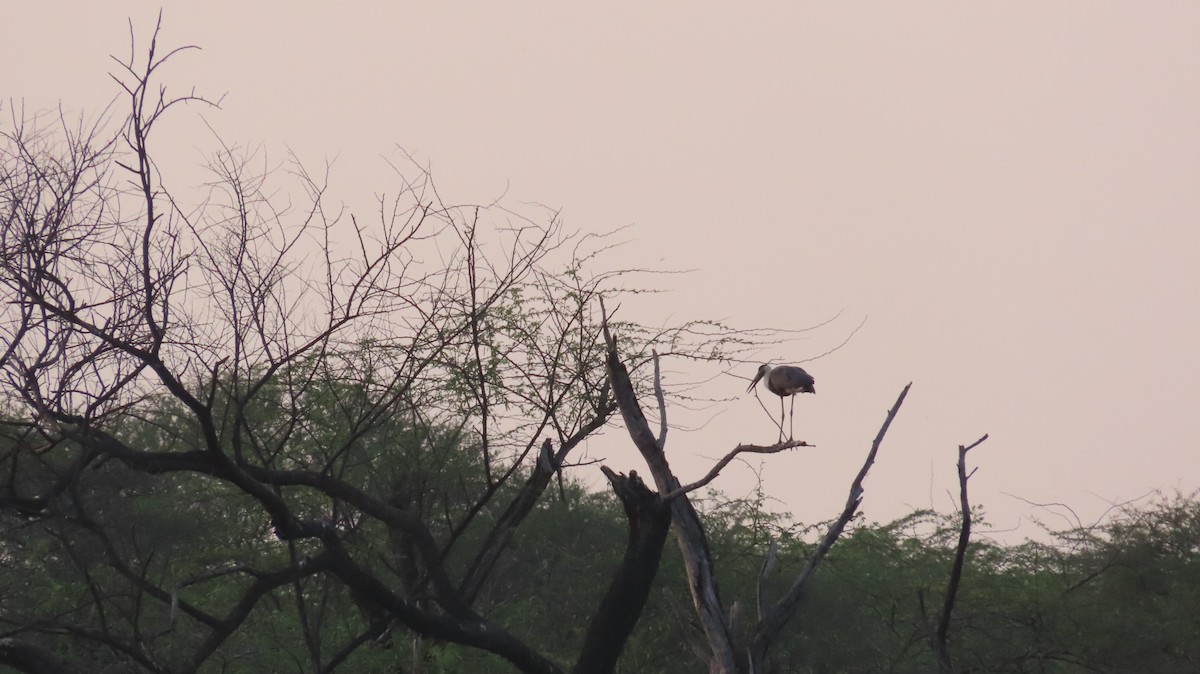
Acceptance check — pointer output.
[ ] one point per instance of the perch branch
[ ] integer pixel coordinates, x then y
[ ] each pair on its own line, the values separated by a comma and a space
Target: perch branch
716, 470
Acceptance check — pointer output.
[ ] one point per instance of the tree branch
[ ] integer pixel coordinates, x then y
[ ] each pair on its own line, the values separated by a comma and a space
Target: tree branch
716, 470
476, 633
769, 628
649, 521
689, 530
939, 639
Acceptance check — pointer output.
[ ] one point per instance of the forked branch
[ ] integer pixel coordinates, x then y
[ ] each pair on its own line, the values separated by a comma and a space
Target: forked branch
689, 530
938, 640
649, 522
778, 616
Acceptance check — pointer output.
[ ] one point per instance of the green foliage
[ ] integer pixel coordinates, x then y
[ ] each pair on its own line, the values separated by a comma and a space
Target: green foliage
1113, 598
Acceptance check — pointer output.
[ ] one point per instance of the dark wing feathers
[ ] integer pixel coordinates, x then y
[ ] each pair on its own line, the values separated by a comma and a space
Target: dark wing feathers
787, 380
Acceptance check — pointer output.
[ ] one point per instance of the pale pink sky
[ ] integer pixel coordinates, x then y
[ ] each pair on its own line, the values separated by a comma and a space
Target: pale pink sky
1009, 191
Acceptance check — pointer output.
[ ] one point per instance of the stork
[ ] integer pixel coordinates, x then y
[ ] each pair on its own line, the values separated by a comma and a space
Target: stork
784, 381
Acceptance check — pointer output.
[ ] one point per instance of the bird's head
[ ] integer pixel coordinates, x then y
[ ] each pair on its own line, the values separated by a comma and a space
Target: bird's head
763, 371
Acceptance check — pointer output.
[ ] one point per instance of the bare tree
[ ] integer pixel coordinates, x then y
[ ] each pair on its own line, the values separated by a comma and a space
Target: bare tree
274, 352
727, 656
367, 412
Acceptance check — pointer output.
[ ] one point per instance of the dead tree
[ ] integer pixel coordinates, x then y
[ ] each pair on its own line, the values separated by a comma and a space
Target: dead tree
726, 655
938, 637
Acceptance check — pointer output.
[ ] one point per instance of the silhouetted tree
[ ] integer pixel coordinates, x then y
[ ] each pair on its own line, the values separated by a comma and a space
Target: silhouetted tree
218, 410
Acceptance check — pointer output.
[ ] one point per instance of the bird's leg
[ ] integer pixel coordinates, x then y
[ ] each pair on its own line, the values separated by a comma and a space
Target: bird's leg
792, 420
781, 418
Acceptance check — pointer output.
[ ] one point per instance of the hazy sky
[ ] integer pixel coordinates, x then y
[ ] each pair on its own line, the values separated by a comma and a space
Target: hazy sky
1010, 192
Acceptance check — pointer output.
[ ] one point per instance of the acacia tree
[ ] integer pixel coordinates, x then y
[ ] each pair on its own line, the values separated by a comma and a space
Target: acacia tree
293, 390
271, 349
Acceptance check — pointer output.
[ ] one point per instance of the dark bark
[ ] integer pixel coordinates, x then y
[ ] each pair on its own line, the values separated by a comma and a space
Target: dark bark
649, 521
31, 658
689, 530
939, 639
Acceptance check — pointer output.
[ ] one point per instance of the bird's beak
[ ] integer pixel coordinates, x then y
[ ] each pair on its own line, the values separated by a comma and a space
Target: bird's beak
751, 386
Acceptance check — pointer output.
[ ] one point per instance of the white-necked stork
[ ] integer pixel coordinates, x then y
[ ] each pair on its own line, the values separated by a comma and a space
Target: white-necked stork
784, 381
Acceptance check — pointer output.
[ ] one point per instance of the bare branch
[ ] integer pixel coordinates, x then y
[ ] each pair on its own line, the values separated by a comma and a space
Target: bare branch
939, 639
662, 403
716, 470
689, 531
768, 629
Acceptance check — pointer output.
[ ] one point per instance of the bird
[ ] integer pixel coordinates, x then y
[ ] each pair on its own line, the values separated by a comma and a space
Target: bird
784, 381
